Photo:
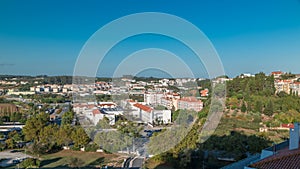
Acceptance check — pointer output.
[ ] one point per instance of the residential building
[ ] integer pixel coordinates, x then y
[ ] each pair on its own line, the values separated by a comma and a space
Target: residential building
149, 115
153, 98
145, 113
167, 102
295, 88
190, 103
282, 85
277, 74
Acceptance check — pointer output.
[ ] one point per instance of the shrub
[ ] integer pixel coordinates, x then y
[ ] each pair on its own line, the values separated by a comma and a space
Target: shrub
30, 163
91, 147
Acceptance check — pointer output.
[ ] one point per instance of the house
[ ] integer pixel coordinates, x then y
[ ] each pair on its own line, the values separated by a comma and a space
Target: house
204, 93
32, 89
277, 74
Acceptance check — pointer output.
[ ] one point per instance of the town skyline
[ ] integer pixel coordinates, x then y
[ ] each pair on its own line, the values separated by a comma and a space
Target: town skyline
246, 41
152, 76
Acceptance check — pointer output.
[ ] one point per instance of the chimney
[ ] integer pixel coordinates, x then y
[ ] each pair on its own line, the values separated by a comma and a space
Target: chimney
294, 137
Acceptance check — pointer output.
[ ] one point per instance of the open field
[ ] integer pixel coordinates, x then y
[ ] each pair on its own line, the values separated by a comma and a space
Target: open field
61, 160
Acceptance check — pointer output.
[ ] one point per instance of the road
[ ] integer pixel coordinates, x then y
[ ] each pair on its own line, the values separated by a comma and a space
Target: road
10, 156
137, 162
127, 163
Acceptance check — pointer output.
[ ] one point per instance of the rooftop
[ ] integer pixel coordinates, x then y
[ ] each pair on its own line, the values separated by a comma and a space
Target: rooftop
143, 107
282, 159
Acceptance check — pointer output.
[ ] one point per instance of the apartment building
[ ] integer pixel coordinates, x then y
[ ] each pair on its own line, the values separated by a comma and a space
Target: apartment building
190, 103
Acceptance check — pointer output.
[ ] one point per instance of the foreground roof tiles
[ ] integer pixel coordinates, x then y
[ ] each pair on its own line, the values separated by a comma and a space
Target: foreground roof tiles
282, 160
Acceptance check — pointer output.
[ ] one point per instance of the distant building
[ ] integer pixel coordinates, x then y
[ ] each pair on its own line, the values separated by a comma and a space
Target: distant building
204, 93
153, 98
55, 90
283, 86
32, 89
244, 75
107, 105
190, 103
47, 89
277, 74
167, 102
295, 88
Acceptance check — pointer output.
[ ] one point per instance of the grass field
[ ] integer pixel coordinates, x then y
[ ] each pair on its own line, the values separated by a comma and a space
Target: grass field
62, 158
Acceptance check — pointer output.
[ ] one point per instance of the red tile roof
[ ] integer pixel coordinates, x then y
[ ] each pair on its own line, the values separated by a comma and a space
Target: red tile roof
287, 159
96, 111
288, 125
190, 99
204, 92
297, 83
107, 104
143, 107
276, 73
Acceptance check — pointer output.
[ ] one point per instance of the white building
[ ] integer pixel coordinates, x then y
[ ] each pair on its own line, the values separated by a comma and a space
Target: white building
149, 115
153, 98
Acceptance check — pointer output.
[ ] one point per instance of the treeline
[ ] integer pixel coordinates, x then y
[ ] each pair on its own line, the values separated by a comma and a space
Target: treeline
48, 98
4, 77
261, 85
57, 80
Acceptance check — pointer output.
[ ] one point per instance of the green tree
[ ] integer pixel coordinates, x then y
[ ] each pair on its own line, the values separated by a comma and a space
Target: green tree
243, 107
10, 143
79, 137
269, 109
64, 135
48, 137
67, 118
16, 136
30, 163
258, 106
34, 126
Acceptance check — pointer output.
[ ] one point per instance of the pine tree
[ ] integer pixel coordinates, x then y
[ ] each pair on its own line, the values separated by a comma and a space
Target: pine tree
243, 108
269, 109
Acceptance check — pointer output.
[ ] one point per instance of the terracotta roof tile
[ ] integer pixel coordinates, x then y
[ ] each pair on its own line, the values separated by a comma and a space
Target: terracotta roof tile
282, 160
143, 107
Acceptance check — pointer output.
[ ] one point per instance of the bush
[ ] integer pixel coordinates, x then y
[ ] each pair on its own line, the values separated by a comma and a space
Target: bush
91, 147
30, 163
75, 148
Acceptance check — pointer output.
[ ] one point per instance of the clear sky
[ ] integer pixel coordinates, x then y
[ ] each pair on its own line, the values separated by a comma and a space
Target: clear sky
45, 37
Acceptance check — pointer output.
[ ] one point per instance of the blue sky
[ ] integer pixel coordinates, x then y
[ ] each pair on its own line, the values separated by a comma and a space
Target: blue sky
45, 37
